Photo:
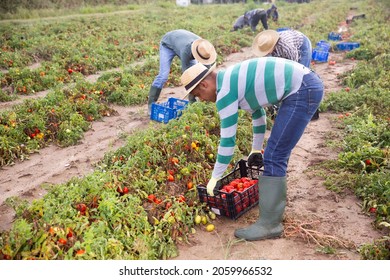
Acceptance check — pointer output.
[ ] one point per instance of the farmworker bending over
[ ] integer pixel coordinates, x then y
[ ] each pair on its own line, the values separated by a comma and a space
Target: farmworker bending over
289, 44
239, 24
254, 16
273, 13
190, 49
252, 85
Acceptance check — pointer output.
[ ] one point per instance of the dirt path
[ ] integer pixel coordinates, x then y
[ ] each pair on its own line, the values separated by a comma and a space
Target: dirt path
308, 199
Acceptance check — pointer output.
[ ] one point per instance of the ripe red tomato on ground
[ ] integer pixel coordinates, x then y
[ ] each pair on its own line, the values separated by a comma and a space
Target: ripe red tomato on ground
62, 241
151, 197
80, 252
181, 198
171, 178
81, 207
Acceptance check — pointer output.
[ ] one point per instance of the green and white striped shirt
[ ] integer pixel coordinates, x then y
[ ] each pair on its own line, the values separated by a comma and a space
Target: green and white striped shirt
252, 85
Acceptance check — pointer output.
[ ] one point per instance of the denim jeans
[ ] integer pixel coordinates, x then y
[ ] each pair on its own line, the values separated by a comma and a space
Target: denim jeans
294, 114
306, 52
166, 57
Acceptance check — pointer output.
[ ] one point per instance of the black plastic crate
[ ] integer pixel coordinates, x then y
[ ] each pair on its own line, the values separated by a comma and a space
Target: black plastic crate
235, 203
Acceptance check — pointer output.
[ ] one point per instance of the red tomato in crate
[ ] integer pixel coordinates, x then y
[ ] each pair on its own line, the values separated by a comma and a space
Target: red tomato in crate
229, 188
244, 179
240, 187
253, 181
238, 208
237, 198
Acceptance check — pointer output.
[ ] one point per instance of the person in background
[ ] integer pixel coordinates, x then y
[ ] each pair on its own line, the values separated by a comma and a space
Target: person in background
289, 44
190, 48
254, 16
239, 23
252, 85
273, 13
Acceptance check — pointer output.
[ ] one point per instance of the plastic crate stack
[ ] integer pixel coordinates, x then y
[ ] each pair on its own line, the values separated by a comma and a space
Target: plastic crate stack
321, 51
342, 46
166, 111
347, 46
334, 36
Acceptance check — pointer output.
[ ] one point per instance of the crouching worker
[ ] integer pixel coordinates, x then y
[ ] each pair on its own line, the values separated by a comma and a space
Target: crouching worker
239, 23
190, 49
252, 85
289, 44
254, 16
273, 13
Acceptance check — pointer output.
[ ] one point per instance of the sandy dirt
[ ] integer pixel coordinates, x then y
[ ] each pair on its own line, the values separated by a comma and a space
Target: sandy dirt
332, 216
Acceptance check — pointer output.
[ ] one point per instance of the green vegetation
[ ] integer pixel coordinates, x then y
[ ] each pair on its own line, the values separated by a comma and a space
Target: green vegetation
98, 218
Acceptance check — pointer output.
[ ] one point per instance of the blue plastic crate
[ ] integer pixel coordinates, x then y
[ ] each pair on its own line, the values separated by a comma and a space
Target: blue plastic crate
282, 29
323, 45
166, 111
334, 36
320, 55
347, 46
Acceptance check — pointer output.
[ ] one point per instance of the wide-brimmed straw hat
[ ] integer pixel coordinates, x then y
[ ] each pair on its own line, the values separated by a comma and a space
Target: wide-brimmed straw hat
194, 75
265, 42
203, 51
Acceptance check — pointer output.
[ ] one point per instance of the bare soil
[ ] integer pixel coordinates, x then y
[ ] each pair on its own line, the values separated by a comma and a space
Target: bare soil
316, 219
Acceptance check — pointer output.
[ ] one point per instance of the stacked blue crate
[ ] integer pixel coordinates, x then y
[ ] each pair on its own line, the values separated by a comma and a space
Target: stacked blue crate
334, 36
166, 111
347, 46
321, 51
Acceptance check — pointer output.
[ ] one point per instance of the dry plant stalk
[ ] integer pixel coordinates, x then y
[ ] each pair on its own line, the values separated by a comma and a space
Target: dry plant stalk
306, 230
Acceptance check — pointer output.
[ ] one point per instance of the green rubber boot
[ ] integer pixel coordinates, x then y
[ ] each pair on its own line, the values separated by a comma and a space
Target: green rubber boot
154, 94
191, 98
272, 201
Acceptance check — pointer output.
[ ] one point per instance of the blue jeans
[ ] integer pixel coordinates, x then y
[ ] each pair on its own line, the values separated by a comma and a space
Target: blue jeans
294, 114
306, 52
166, 57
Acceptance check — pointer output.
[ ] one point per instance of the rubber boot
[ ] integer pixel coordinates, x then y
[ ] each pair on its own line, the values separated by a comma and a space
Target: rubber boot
316, 116
272, 201
154, 94
191, 98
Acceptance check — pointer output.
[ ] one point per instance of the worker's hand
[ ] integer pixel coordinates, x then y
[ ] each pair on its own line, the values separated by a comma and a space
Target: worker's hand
212, 185
255, 158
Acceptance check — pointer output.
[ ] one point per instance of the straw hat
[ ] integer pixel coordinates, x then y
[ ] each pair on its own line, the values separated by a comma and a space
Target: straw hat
194, 75
265, 42
203, 51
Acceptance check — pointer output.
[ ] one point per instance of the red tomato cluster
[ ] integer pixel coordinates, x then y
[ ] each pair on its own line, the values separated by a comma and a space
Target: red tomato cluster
153, 198
244, 191
239, 185
82, 208
34, 133
122, 191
